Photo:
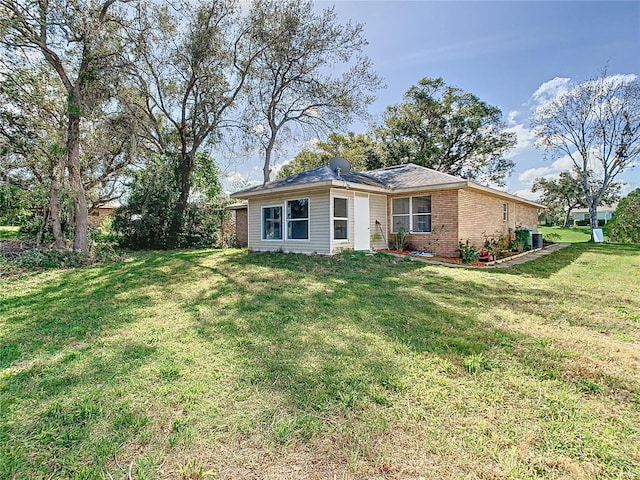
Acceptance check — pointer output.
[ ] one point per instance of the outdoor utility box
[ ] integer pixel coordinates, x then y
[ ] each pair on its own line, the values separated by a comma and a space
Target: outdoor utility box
524, 235
537, 240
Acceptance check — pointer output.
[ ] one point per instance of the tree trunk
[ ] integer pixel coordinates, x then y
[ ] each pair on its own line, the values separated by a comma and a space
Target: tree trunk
267, 160
593, 218
54, 211
80, 212
185, 170
567, 217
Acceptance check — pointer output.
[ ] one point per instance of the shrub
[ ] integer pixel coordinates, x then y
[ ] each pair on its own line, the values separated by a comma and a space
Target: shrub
468, 252
625, 226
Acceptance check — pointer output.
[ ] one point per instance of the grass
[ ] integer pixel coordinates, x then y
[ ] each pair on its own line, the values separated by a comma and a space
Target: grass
571, 234
8, 232
222, 364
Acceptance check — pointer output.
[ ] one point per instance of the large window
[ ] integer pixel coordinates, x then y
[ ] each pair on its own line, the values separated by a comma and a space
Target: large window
272, 223
298, 219
411, 214
340, 219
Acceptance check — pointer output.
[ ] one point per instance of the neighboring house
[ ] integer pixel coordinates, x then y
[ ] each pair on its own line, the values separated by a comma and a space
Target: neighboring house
325, 211
605, 213
239, 218
99, 214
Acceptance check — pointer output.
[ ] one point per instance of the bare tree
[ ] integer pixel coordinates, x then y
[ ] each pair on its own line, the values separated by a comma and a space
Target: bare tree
80, 42
293, 89
597, 125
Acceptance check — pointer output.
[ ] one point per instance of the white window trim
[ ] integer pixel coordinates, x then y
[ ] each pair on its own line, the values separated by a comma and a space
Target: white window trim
333, 218
410, 215
287, 220
262, 207
505, 212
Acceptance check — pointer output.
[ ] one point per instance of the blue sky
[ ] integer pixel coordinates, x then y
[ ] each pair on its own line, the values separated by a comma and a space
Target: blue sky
503, 52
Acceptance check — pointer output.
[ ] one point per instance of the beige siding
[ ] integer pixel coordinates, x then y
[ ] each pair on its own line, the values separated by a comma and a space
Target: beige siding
319, 228
378, 212
340, 245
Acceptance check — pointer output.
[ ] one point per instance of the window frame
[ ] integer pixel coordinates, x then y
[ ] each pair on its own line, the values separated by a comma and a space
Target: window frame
505, 212
304, 219
262, 223
334, 218
411, 214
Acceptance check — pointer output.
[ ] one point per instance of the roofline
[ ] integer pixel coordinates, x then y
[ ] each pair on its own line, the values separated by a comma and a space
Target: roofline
258, 192
308, 186
499, 193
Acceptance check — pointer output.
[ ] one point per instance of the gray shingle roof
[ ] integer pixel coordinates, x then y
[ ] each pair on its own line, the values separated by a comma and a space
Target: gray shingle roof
410, 175
320, 174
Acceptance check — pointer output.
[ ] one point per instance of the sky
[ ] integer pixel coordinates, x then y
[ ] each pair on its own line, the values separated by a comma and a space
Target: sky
510, 54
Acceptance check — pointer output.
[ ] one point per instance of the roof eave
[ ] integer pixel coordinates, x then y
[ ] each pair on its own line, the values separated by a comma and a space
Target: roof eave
308, 186
499, 193
425, 188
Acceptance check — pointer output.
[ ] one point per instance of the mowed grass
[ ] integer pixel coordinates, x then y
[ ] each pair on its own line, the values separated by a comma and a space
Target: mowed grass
228, 365
9, 232
571, 234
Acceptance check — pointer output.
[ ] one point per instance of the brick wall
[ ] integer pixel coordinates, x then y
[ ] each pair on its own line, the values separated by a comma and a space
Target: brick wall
443, 239
242, 227
466, 214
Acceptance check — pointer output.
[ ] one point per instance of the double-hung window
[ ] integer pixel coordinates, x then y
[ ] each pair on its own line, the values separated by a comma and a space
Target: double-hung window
505, 212
272, 223
411, 214
340, 218
298, 219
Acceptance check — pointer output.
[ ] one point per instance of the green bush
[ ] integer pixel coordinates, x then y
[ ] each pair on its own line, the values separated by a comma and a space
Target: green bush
468, 252
625, 226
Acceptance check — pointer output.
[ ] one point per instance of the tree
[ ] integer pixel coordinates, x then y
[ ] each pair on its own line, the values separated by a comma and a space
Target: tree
81, 43
596, 124
192, 68
449, 130
625, 226
293, 90
360, 150
565, 193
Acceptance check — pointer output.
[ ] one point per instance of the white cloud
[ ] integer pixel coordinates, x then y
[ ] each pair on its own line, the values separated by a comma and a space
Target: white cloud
511, 117
531, 174
563, 163
526, 139
550, 90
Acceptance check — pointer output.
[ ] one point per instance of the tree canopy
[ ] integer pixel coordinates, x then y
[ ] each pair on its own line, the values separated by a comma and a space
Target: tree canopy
447, 129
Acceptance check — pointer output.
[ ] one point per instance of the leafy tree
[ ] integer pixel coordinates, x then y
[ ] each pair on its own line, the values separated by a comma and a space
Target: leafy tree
82, 44
449, 130
360, 150
293, 89
194, 61
145, 220
625, 226
597, 125
562, 195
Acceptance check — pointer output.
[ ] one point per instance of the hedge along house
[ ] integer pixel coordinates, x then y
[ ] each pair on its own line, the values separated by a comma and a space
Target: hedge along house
326, 210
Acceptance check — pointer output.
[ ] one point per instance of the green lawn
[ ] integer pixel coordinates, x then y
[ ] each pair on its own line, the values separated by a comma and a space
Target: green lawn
570, 234
228, 365
7, 233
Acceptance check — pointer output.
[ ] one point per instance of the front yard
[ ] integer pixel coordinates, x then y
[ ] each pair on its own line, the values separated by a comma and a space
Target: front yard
221, 364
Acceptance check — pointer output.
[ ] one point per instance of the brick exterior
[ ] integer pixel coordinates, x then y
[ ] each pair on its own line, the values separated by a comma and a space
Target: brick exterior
465, 214
242, 227
98, 215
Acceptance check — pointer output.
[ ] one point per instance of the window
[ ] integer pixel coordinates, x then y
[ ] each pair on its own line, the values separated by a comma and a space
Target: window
298, 219
411, 214
340, 219
271, 223
505, 212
